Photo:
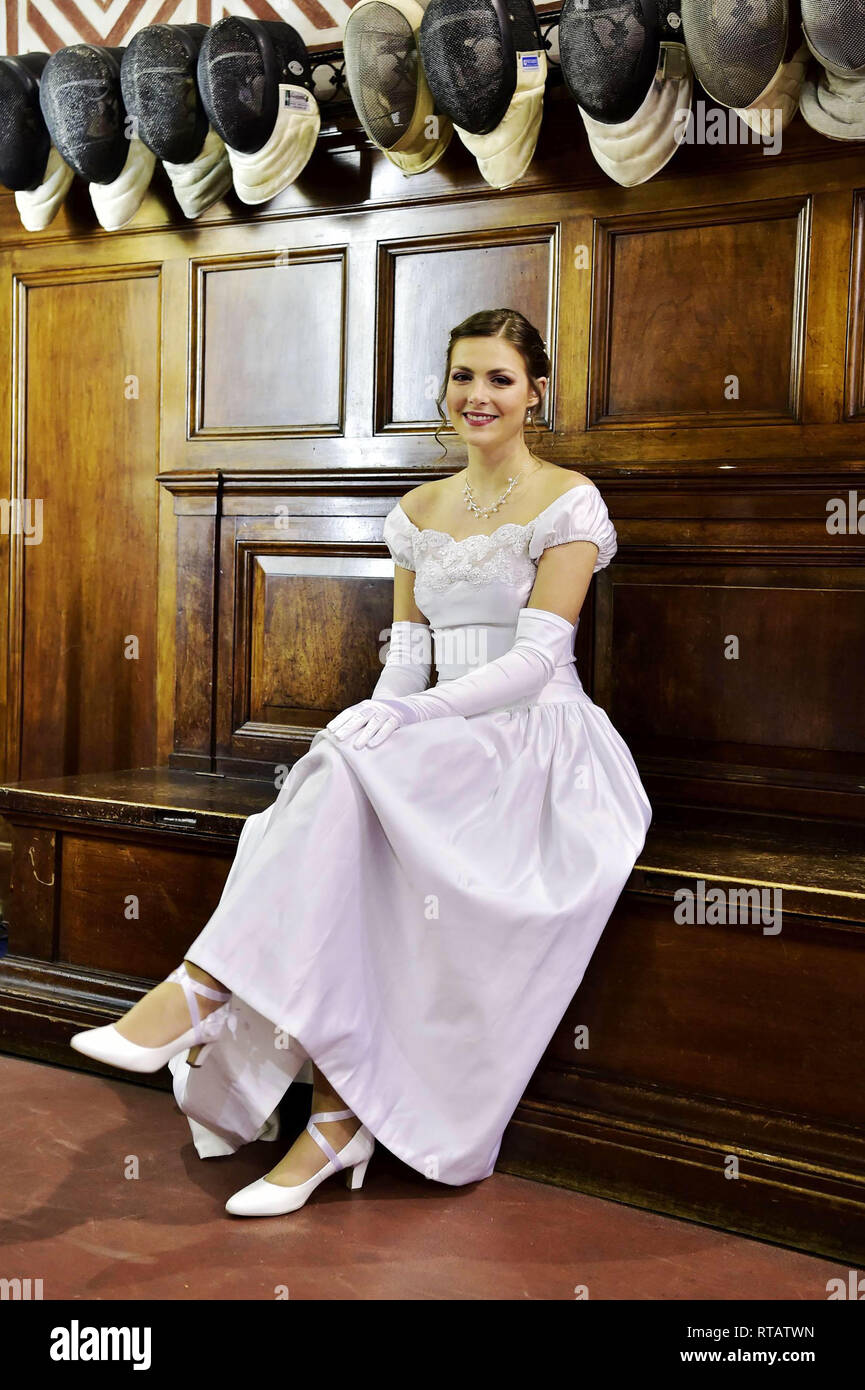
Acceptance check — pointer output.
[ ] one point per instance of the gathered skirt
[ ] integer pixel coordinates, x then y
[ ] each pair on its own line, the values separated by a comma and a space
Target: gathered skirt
415, 918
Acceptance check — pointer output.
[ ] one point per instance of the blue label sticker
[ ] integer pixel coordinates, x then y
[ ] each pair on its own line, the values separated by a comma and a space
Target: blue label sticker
530, 60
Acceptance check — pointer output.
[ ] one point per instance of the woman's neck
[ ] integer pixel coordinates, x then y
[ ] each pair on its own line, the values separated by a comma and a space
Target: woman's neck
489, 474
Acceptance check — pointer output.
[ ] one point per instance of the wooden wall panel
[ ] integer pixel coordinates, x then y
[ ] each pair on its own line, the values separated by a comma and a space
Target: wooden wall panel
755, 572
84, 597
854, 403
658, 979
306, 636
268, 355
427, 285
195, 639
698, 317
713, 655
302, 624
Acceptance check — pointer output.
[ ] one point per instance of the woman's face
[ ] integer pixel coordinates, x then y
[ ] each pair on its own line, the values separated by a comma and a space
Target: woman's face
488, 391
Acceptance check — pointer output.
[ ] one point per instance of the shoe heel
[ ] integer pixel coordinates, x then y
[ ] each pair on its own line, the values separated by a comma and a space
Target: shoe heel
193, 1066
354, 1176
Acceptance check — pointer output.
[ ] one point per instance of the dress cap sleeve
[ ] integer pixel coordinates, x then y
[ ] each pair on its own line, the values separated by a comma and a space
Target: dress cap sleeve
580, 514
398, 536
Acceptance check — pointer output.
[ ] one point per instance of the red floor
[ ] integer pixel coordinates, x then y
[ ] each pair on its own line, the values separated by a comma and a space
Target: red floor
70, 1215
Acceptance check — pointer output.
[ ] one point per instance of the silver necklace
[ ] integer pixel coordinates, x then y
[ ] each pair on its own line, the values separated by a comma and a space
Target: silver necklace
472, 505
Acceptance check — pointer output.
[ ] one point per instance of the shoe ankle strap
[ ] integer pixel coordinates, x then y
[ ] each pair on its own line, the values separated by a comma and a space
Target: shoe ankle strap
200, 988
191, 987
326, 1116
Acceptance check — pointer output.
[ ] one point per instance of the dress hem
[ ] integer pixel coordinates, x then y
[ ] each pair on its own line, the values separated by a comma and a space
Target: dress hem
341, 1087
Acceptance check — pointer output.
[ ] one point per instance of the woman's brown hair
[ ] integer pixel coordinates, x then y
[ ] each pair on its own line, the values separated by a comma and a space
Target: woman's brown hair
515, 328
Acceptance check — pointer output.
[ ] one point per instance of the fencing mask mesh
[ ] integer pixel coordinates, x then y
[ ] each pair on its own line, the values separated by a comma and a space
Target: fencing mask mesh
608, 54
736, 46
388, 87
468, 50
157, 78
82, 104
505, 153
835, 30
255, 82
381, 68
833, 100
24, 138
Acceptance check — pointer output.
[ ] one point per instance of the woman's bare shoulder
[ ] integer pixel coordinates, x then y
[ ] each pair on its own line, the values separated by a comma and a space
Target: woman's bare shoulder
555, 481
559, 480
419, 502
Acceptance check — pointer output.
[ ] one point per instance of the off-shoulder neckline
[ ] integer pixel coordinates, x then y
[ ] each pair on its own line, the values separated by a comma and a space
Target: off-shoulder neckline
506, 526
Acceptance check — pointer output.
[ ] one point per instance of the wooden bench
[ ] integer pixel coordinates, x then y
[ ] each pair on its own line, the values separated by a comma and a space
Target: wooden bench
719, 1047
113, 874
703, 1048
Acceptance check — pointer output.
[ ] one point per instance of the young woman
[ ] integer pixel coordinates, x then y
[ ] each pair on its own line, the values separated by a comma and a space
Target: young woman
412, 915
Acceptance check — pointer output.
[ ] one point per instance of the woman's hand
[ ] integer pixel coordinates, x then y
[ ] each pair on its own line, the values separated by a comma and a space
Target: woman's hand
372, 721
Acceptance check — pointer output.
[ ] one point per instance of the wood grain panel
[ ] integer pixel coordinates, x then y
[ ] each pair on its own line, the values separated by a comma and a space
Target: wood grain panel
34, 891
269, 344
427, 286
133, 907
854, 404
757, 671
756, 1010
197, 508
309, 626
303, 670
684, 302
84, 600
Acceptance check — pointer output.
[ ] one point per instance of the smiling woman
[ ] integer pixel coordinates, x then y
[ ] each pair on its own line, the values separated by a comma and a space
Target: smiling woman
503, 796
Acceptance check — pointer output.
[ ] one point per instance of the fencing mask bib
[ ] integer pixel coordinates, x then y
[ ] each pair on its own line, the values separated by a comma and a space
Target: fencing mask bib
487, 68
158, 82
255, 81
199, 183
748, 55
29, 163
387, 85
82, 104
833, 101
626, 67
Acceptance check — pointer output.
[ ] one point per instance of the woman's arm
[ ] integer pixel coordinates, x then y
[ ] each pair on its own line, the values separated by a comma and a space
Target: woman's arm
563, 578
404, 606
409, 660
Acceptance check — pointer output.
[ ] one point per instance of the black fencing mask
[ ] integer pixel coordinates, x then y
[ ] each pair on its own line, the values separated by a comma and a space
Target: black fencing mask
82, 103
158, 78
255, 81
626, 66
29, 163
487, 68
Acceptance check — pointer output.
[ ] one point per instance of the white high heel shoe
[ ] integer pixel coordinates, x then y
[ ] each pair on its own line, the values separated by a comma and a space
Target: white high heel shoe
263, 1198
107, 1045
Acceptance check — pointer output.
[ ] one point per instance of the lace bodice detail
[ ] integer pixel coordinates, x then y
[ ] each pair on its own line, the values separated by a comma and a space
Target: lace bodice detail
501, 556
509, 554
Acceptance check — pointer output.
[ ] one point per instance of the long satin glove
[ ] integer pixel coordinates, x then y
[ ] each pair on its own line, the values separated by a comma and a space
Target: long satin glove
409, 661
542, 642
